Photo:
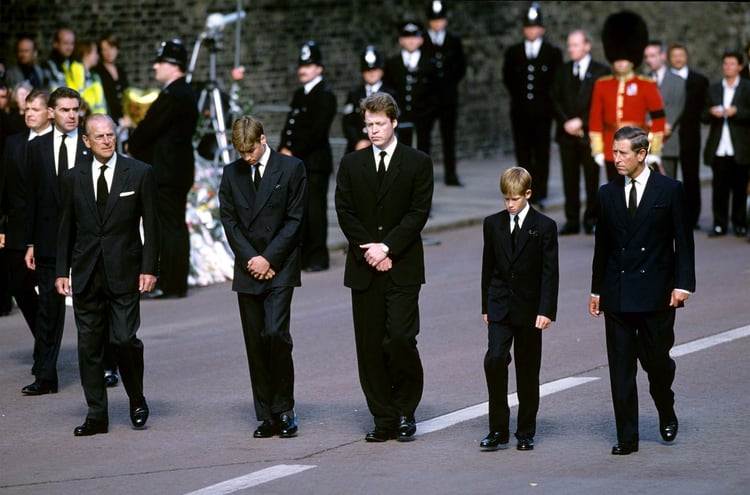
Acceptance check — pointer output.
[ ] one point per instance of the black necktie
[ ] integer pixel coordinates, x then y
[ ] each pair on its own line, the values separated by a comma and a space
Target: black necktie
256, 176
62, 157
102, 192
632, 200
381, 167
514, 233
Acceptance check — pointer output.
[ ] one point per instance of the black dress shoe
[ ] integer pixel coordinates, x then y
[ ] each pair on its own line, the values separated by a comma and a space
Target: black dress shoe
139, 414
525, 444
668, 430
453, 181
407, 427
740, 231
494, 441
568, 229
717, 232
380, 435
40, 387
267, 429
91, 427
625, 448
288, 425
111, 379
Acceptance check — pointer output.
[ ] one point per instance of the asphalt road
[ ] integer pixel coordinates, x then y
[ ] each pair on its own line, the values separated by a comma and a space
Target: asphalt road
200, 431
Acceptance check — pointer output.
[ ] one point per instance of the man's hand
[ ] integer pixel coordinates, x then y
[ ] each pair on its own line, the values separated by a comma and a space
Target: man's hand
542, 322
594, 306
599, 159
285, 151
574, 127
260, 268
2, 241
362, 144
374, 254
384, 265
29, 258
62, 285
146, 282
678, 298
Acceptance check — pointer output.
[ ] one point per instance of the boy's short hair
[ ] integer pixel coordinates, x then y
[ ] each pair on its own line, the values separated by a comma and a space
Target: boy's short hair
515, 181
246, 131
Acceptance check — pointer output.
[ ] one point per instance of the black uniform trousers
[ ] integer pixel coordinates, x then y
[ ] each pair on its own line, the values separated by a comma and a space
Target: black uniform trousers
527, 351
102, 317
21, 285
315, 223
386, 324
531, 142
574, 156
729, 180
174, 248
50, 322
265, 326
448, 117
647, 337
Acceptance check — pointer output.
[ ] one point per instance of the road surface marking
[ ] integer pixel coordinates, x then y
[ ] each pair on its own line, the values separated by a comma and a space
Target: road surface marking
710, 341
252, 479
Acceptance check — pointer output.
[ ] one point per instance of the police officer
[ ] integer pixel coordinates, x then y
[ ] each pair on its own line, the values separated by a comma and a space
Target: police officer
528, 73
305, 135
447, 53
353, 124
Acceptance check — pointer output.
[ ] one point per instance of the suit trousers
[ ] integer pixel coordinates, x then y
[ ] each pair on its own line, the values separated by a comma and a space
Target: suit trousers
647, 337
174, 245
690, 163
527, 351
730, 180
386, 324
268, 342
575, 155
22, 284
315, 224
448, 116
102, 317
531, 142
50, 322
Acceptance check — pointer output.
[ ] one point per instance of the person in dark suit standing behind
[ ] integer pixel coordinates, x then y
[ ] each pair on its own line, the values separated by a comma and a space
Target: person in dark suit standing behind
447, 54
727, 150
262, 198
164, 140
571, 100
383, 198
696, 85
13, 198
520, 279
104, 203
47, 157
372, 66
305, 136
643, 270
528, 73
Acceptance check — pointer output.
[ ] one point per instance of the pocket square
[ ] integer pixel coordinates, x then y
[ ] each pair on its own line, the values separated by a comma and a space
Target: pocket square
127, 193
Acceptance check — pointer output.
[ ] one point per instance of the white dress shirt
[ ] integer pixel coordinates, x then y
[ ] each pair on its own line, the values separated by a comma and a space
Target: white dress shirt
109, 172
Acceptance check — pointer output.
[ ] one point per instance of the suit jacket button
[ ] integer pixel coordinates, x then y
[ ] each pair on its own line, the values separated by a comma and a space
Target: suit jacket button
380, 227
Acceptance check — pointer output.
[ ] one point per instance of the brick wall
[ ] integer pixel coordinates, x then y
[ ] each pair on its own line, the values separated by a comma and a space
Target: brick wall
273, 29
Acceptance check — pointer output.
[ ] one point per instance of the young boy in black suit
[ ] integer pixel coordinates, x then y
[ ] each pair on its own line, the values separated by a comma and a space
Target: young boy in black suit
519, 301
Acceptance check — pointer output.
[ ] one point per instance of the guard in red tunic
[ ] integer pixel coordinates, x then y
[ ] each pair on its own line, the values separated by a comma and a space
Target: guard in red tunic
625, 98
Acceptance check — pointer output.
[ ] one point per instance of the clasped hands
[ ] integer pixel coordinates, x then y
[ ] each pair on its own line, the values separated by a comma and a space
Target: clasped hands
376, 257
260, 268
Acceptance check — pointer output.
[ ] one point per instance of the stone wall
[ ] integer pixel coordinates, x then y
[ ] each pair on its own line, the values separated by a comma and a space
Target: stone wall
273, 30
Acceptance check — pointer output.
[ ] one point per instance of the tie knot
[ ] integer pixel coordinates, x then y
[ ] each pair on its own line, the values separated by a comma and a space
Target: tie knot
64, 136
383, 154
103, 168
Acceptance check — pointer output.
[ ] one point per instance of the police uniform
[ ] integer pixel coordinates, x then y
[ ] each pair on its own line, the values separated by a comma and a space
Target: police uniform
305, 134
618, 100
447, 54
353, 123
413, 85
529, 81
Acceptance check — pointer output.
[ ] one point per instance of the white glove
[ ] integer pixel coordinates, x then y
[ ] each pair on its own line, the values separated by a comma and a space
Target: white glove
599, 159
654, 163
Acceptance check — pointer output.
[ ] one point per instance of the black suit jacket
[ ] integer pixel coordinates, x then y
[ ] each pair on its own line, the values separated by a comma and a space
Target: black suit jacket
516, 71
450, 66
308, 125
637, 263
13, 180
84, 238
572, 98
43, 193
164, 138
393, 213
520, 283
739, 123
266, 222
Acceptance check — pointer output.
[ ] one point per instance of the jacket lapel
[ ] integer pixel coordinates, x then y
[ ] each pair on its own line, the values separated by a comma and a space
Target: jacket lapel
119, 181
267, 184
87, 187
504, 236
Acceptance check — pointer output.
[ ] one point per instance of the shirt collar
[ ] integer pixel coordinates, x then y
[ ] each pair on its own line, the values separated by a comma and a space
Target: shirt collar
311, 84
642, 177
264, 158
96, 164
33, 133
389, 150
521, 214
726, 85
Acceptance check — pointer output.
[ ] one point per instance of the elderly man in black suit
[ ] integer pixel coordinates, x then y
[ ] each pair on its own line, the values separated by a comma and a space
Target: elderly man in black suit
104, 203
643, 270
164, 139
571, 100
262, 198
383, 199
528, 72
47, 157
